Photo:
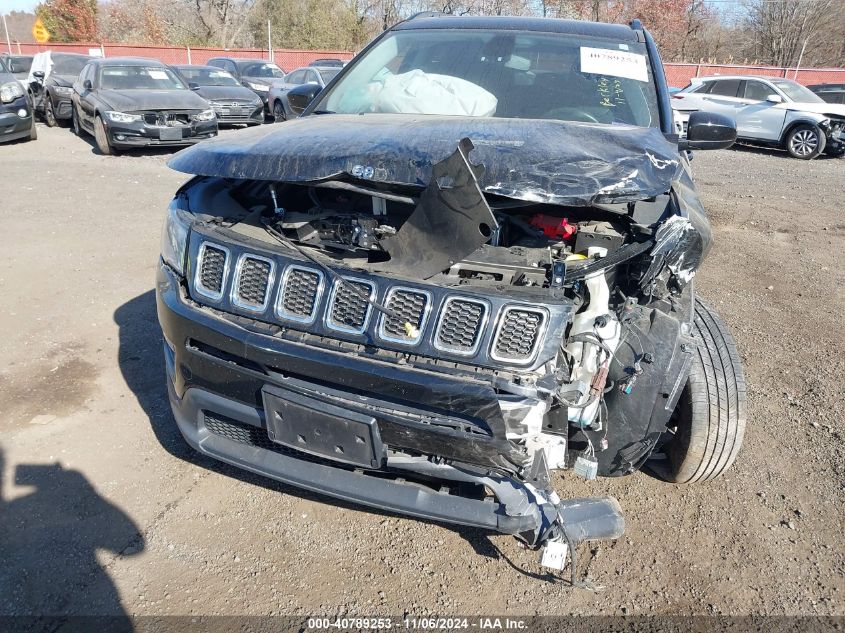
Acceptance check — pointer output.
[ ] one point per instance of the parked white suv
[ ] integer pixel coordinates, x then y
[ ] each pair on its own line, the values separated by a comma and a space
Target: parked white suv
769, 111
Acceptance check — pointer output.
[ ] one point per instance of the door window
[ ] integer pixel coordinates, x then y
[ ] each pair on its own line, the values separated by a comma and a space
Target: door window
725, 87
757, 90
297, 77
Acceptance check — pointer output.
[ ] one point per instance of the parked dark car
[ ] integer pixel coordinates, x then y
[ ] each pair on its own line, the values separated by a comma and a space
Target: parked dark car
317, 75
134, 102
469, 262
19, 66
328, 62
232, 102
51, 84
259, 75
832, 93
16, 118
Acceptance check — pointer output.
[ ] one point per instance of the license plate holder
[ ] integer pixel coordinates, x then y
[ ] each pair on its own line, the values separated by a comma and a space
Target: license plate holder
170, 134
321, 429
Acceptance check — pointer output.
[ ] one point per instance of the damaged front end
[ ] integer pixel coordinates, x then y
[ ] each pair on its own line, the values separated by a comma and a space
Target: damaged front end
435, 349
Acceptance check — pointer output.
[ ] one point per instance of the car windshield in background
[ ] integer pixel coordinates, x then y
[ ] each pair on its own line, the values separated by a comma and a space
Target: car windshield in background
327, 74
208, 77
139, 78
503, 74
797, 92
68, 65
18, 65
262, 70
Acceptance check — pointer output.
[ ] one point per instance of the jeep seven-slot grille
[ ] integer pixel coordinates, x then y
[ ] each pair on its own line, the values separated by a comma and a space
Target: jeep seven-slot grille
253, 280
460, 326
299, 294
411, 308
348, 310
212, 268
518, 334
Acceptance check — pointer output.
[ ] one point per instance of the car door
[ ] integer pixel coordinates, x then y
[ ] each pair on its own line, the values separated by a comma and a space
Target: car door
756, 117
83, 95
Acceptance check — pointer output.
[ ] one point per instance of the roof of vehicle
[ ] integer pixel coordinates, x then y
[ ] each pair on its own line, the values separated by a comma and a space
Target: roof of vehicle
127, 61
63, 54
310, 67
714, 77
194, 67
244, 60
617, 32
827, 87
7, 56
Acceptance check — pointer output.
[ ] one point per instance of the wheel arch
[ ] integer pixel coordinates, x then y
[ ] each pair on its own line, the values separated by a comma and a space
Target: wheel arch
787, 130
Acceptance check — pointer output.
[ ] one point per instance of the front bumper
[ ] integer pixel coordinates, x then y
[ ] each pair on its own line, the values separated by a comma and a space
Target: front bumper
239, 115
62, 108
141, 134
217, 371
13, 126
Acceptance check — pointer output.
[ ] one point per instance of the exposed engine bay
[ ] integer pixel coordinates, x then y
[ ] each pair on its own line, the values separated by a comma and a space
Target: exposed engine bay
570, 324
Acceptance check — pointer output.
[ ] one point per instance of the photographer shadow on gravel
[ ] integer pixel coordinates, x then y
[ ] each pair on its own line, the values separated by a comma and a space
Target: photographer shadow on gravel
49, 540
141, 363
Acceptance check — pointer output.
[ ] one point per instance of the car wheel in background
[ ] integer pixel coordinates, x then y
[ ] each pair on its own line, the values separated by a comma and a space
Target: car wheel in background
102, 137
74, 121
805, 142
708, 424
279, 111
49, 115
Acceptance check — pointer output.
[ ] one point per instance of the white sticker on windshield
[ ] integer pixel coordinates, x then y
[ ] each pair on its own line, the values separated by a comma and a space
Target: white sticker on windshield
157, 74
602, 61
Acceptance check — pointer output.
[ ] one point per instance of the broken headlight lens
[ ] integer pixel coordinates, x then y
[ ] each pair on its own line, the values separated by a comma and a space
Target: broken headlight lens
10, 91
205, 115
122, 117
174, 237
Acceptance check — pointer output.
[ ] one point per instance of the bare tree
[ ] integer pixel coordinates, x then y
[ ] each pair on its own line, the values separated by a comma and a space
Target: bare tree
782, 28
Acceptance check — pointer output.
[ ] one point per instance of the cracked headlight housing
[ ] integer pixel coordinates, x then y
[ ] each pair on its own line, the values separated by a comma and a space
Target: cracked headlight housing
205, 115
174, 237
122, 117
63, 91
10, 91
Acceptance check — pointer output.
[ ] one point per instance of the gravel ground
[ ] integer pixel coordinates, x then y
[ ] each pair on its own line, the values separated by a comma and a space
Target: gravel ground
103, 509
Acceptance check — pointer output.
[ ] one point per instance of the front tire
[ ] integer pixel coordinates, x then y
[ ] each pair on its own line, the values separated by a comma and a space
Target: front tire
74, 121
709, 420
279, 111
805, 142
102, 137
33, 131
49, 114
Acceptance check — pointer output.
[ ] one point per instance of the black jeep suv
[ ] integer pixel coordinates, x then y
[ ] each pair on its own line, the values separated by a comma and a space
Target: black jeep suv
468, 263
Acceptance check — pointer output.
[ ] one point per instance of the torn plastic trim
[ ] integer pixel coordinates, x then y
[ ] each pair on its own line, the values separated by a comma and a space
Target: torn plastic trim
677, 254
555, 162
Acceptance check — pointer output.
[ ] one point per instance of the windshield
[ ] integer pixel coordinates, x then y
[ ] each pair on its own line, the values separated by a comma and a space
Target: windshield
139, 78
267, 69
19, 65
68, 64
502, 74
208, 77
797, 92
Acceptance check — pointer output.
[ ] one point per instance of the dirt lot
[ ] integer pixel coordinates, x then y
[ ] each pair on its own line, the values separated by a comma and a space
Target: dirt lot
105, 510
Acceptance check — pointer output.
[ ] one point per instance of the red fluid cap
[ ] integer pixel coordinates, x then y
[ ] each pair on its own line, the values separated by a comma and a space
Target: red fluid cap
553, 227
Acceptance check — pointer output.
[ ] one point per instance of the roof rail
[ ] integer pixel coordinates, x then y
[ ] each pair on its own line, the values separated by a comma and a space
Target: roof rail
424, 14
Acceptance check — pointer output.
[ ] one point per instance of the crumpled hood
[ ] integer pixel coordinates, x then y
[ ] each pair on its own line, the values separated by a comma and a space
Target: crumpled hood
836, 109
536, 160
62, 80
132, 100
224, 93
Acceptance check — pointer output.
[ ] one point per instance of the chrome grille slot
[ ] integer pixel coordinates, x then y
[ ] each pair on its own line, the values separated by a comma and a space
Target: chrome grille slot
347, 311
518, 335
461, 325
412, 307
212, 270
253, 278
299, 295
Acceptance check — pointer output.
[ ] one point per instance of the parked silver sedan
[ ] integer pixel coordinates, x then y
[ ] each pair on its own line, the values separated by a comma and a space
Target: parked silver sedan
277, 100
769, 111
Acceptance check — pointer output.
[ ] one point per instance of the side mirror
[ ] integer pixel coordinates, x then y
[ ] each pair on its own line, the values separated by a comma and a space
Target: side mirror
708, 130
193, 86
38, 74
774, 99
300, 96
87, 84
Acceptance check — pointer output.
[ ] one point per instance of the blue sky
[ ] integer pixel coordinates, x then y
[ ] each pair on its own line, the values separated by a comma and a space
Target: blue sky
19, 5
